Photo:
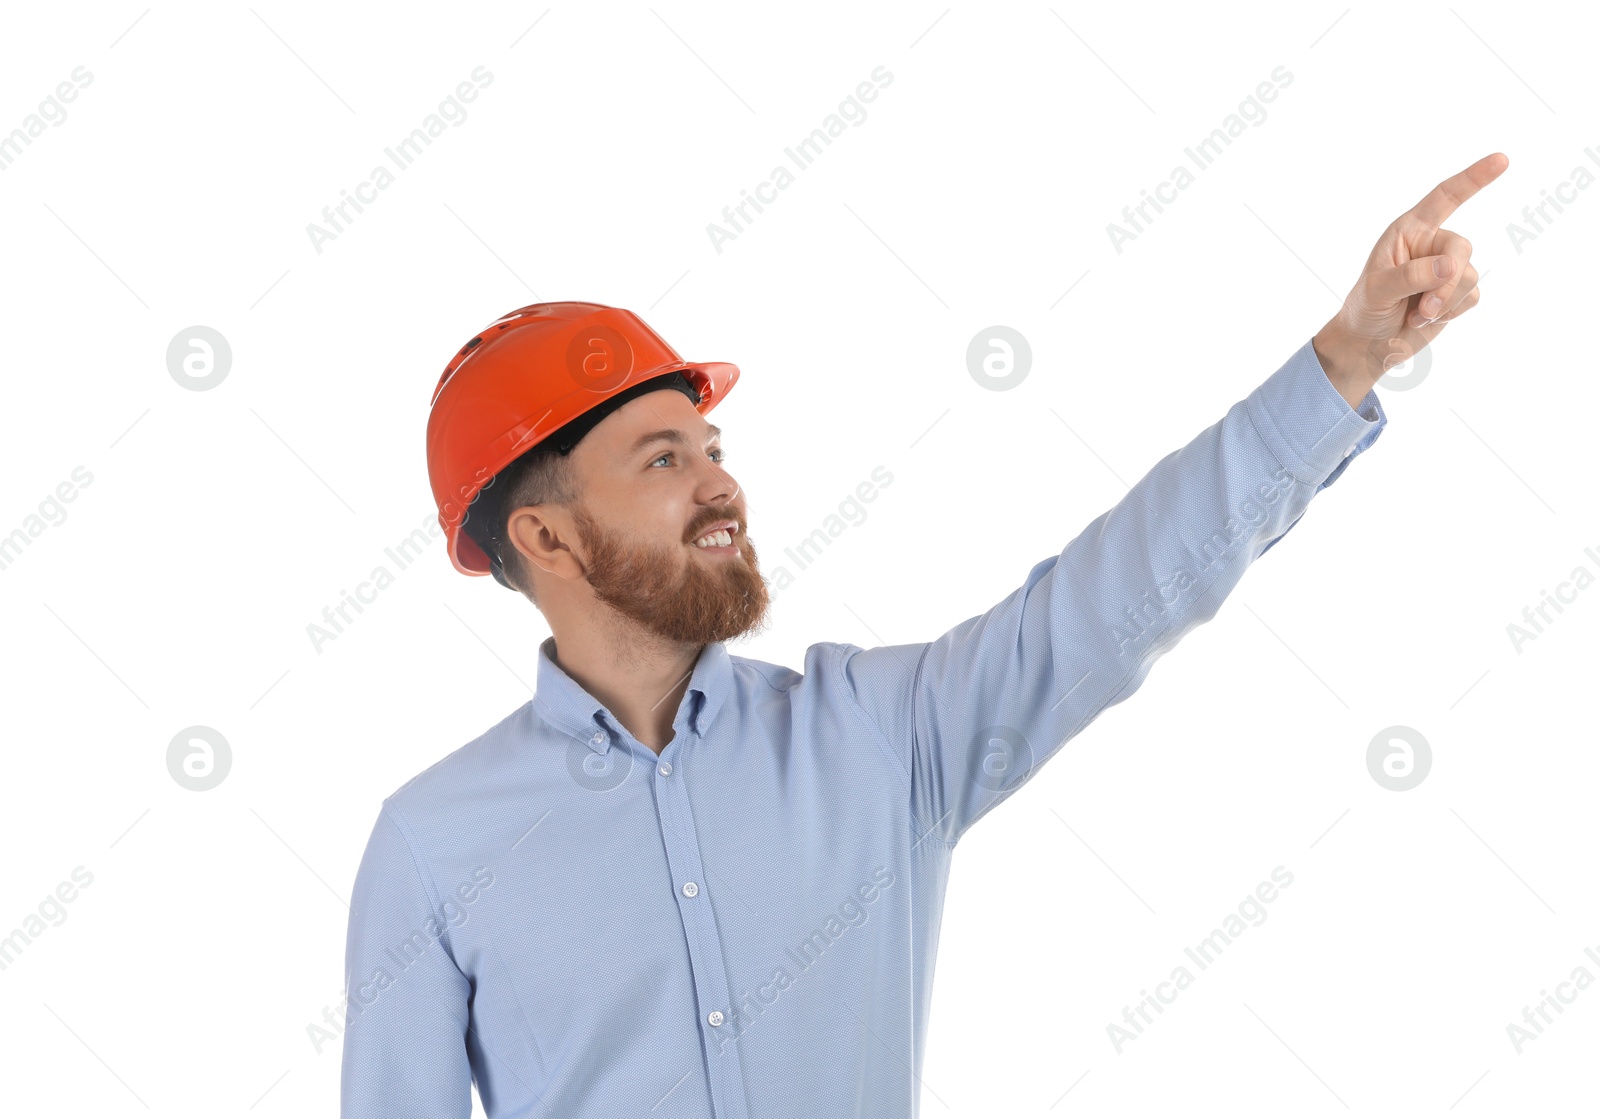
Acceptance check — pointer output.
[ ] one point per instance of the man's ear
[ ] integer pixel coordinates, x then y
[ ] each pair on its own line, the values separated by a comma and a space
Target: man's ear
541, 533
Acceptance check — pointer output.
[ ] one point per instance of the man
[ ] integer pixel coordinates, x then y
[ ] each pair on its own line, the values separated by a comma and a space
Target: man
681, 883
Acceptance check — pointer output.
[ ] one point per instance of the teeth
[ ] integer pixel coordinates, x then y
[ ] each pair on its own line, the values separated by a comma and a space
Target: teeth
720, 537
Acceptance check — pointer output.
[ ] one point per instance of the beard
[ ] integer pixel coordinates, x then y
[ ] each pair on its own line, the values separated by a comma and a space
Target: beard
678, 597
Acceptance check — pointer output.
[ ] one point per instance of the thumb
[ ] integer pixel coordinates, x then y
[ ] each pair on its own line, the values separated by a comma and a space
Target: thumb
1397, 284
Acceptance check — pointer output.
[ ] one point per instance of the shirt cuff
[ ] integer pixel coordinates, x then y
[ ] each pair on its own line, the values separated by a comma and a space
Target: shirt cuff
1312, 430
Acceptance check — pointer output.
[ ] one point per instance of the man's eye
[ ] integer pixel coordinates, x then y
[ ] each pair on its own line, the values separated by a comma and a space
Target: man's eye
719, 452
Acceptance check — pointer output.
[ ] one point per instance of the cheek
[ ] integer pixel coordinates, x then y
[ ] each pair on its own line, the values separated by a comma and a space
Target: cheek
659, 525
665, 519
647, 515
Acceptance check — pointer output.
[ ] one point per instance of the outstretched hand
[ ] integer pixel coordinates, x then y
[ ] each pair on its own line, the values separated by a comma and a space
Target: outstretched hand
1418, 278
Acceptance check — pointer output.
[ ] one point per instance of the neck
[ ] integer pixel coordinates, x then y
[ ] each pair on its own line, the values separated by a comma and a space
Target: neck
640, 678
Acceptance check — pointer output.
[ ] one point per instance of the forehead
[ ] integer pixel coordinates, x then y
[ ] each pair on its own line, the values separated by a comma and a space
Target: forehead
659, 418
667, 409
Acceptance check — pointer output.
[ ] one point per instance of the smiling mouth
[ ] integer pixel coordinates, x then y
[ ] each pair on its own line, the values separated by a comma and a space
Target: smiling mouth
719, 539
717, 549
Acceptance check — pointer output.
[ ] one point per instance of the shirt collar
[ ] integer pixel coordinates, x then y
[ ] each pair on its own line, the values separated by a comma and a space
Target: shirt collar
569, 705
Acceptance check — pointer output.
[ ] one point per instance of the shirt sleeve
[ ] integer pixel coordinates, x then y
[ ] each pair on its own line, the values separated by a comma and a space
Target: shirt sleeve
971, 716
405, 1049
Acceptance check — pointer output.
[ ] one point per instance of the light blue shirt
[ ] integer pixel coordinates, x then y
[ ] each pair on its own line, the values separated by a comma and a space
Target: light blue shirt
744, 927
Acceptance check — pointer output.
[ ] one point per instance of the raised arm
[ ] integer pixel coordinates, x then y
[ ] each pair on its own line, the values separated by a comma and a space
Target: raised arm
972, 715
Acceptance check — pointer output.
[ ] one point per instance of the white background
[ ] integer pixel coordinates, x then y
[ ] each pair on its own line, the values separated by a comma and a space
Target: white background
977, 191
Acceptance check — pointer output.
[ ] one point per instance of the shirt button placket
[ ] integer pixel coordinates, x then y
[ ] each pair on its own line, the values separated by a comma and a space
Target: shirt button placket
706, 954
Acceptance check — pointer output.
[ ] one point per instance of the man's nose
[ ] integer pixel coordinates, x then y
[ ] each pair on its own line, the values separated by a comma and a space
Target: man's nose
719, 487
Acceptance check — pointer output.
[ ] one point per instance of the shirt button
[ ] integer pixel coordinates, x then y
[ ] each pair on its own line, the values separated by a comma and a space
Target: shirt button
715, 1017
664, 768
690, 889
1351, 451
598, 738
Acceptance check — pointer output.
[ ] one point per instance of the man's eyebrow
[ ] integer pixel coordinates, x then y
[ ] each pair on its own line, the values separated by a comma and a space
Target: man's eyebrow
669, 435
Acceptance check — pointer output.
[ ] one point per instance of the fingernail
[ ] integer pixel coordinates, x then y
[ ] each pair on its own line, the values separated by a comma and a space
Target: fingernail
1431, 304
1442, 265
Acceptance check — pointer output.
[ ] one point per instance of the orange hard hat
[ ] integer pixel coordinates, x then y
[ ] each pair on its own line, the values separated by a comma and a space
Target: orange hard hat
527, 376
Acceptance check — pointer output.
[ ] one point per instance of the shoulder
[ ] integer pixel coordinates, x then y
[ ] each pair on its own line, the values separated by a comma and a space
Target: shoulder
820, 669
479, 764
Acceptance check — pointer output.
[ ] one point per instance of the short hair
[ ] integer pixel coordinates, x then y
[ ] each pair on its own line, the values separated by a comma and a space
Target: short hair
541, 476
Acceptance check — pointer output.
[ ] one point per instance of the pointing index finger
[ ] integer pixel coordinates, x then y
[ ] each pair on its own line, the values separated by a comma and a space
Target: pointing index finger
1440, 202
